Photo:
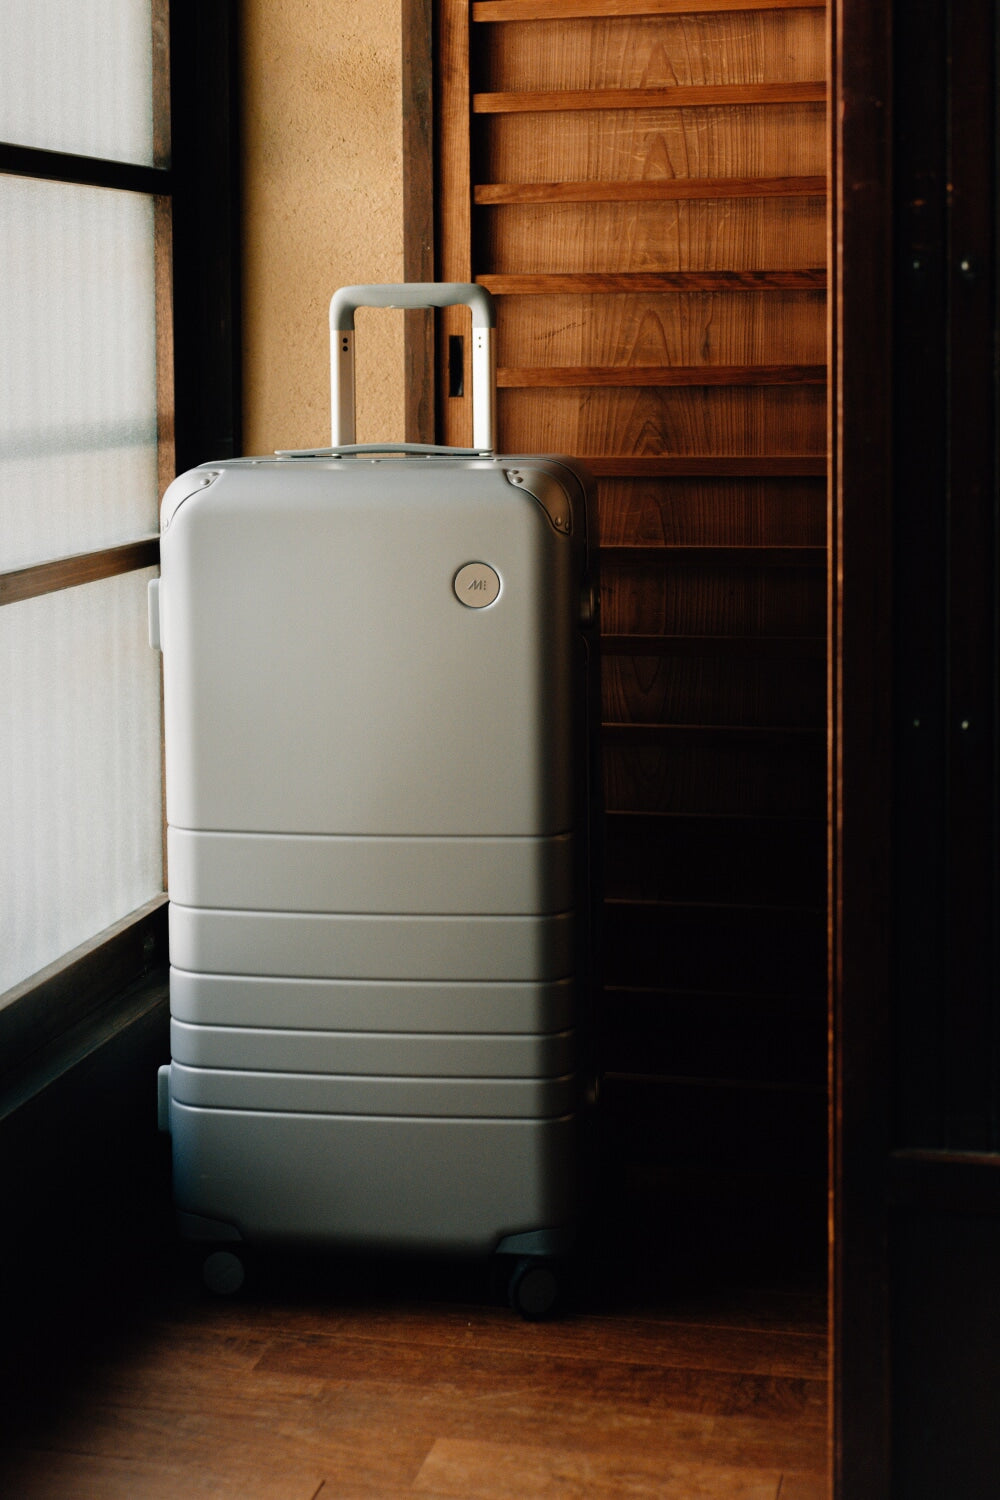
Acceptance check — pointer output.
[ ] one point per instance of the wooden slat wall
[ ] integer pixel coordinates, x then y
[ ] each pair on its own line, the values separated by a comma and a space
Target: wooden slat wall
642, 187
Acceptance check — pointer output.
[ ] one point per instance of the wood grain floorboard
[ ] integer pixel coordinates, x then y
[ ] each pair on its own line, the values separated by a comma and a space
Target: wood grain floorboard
629, 1342
724, 1411
474, 1470
481, 1372
85, 1477
801, 1312
303, 1396
803, 1487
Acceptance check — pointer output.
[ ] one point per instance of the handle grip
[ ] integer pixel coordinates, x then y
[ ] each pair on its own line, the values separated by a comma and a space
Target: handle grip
412, 294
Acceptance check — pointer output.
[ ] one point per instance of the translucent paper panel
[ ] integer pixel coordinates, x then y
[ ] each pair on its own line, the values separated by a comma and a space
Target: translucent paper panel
76, 75
77, 369
79, 769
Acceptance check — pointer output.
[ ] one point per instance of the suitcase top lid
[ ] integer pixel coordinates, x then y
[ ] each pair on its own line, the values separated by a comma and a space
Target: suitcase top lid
562, 487
559, 491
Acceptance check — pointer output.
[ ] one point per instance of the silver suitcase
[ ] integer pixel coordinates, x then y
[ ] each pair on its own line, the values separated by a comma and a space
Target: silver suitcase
379, 694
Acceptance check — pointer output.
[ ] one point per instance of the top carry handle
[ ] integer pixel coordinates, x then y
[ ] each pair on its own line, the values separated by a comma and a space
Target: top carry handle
407, 295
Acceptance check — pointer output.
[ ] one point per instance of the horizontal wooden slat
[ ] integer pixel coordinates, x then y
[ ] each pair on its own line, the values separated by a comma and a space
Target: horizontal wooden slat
666, 421
716, 1081
719, 695
549, 376
682, 1034
731, 777
727, 1129
680, 96
649, 191
85, 567
753, 949
742, 647
543, 284
649, 144
652, 51
754, 234
694, 465
745, 861
699, 328
707, 557
707, 512
942, 1181
707, 734
706, 600
581, 10
712, 688
705, 913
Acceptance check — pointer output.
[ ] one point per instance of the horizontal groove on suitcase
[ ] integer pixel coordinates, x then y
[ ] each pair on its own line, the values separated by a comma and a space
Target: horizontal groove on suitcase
317, 945
370, 875
279, 1049
425, 1006
343, 1094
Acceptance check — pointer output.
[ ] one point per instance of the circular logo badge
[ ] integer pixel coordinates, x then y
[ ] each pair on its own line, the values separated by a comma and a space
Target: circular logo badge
476, 585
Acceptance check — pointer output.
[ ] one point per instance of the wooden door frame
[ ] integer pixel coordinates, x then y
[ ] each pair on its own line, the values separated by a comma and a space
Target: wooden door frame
417, 37
859, 708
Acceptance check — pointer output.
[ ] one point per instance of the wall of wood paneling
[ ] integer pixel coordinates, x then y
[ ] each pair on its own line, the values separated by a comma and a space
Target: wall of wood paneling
641, 185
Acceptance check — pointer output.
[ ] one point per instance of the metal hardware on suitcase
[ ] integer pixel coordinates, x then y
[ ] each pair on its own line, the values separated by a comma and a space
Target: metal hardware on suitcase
379, 696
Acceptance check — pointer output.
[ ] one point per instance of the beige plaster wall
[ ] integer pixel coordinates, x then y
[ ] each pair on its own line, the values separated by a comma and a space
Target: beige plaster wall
322, 208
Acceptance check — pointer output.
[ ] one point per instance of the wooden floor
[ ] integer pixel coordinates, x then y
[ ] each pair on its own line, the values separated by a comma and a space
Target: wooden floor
343, 1379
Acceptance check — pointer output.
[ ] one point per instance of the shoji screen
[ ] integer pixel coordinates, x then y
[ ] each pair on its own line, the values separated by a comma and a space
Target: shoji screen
83, 261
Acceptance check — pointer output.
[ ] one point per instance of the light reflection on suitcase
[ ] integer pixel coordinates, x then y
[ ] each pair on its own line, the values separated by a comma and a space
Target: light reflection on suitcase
378, 671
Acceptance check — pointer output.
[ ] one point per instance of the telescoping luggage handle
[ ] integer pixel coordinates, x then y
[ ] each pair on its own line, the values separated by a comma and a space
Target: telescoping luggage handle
412, 294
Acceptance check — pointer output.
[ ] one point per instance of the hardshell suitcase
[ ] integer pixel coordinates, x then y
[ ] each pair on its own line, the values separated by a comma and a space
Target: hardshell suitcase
379, 696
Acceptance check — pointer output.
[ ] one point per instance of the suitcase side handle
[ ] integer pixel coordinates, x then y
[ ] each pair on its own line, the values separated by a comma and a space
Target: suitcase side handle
413, 294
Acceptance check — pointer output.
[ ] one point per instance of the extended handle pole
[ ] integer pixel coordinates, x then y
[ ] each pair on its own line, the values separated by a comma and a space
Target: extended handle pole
412, 294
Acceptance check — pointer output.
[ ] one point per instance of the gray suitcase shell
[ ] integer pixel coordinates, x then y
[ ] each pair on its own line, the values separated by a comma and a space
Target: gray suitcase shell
377, 673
